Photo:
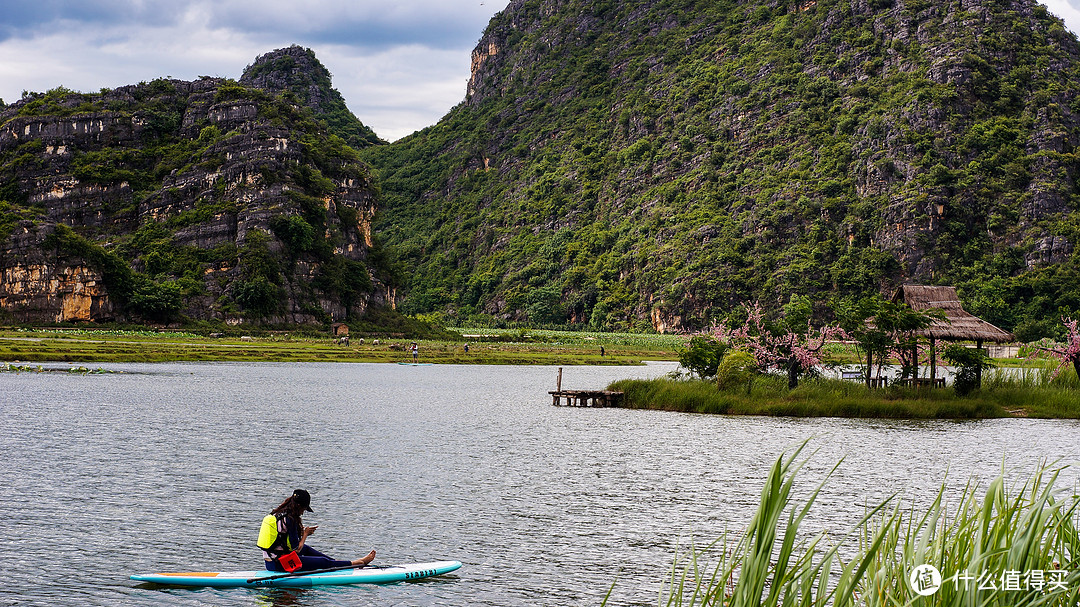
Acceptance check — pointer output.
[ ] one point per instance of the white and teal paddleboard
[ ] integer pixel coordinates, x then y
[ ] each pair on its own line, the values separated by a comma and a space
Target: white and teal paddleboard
255, 579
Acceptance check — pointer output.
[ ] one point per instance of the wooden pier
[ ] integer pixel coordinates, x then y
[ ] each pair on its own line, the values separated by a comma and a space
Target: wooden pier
586, 398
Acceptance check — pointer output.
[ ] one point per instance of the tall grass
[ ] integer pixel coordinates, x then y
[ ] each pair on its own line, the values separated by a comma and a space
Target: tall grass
1001, 396
1037, 374
995, 532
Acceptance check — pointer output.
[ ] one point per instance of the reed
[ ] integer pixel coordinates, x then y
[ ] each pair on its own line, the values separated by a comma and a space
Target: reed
1001, 396
1013, 538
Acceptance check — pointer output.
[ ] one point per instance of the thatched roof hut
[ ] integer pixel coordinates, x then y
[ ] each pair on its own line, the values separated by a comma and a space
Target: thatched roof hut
958, 325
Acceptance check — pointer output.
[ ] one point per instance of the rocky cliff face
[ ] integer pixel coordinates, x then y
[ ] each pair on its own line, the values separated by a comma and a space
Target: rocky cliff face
654, 163
205, 200
36, 287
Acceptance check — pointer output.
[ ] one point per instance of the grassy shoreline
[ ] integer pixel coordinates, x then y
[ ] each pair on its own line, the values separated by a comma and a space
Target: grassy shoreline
1026, 395
824, 397
105, 346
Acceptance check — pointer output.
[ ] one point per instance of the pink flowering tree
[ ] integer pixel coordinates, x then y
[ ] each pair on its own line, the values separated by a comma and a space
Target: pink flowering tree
790, 351
1071, 352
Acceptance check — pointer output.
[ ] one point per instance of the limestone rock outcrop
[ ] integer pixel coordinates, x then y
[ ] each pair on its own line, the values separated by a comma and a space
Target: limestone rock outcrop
201, 200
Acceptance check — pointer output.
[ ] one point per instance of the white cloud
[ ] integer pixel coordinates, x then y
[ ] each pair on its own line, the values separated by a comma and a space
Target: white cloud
88, 59
399, 90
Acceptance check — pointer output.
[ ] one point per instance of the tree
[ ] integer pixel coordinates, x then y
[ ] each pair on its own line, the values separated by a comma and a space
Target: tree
702, 355
1071, 352
882, 327
969, 362
784, 348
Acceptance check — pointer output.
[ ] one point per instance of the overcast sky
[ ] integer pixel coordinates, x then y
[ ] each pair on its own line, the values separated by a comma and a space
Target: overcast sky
400, 64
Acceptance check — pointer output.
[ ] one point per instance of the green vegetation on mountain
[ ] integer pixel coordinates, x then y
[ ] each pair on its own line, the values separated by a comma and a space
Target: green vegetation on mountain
296, 70
650, 164
633, 165
205, 200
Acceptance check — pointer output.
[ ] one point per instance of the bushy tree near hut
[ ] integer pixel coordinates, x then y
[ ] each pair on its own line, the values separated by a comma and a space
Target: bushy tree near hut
969, 363
883, 328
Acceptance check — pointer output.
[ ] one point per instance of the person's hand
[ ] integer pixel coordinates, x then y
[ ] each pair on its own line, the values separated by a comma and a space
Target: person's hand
309, 530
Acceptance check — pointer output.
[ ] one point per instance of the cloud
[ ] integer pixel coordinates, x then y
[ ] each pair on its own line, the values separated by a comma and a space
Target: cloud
431, 23
27, 18
400, 64
401, 89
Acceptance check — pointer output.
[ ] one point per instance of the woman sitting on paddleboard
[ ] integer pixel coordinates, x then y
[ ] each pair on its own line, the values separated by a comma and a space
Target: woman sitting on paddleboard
283, 538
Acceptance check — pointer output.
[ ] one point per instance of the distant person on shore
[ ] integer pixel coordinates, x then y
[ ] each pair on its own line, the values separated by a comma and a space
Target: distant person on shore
283, 539
601, 350
466, 348
415, 352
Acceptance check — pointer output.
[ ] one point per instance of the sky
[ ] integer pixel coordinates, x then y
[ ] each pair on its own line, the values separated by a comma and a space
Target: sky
401, 65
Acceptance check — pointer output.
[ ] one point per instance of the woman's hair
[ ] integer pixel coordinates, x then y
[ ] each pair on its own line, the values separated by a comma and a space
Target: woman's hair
290, 507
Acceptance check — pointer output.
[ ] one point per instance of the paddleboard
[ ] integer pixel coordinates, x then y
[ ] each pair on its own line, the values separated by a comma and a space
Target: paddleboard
416, 364
255, 579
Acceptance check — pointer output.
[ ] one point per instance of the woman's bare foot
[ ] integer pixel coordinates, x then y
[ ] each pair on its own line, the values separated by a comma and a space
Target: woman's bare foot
364, 561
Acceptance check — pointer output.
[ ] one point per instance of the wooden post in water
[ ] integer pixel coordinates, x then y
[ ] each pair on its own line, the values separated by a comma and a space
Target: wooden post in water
558, 382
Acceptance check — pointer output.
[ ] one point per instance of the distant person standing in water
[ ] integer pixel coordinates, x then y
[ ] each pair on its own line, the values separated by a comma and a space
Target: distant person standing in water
283, 539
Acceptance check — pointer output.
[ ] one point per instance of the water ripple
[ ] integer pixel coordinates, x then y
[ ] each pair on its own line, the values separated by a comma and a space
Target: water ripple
171, 467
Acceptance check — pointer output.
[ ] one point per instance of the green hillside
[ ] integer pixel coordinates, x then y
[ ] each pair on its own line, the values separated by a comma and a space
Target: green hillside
296, 70
652, 163
178, 202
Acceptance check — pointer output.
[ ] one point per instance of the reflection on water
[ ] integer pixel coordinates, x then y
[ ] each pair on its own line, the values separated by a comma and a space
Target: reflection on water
171, 467
282, 597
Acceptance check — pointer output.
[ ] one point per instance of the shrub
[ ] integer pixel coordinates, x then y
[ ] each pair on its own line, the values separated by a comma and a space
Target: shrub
702, 355
258, 295
736, 369
156, 301
971, 362
297, 234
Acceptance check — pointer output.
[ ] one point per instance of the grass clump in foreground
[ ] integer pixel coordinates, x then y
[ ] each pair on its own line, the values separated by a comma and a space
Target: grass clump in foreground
1025, 542
822, 397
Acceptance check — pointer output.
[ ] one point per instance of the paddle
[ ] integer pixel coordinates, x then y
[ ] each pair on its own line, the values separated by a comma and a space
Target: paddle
310, 571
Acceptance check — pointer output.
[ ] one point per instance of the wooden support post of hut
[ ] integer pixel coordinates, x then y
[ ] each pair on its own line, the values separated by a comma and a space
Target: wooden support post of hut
958, 324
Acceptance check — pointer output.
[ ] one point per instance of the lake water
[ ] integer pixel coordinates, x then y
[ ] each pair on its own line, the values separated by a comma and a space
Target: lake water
170, 467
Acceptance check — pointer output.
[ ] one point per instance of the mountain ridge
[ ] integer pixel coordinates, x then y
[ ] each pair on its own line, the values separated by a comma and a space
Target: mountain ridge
648, 165
652, 164
172, 201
